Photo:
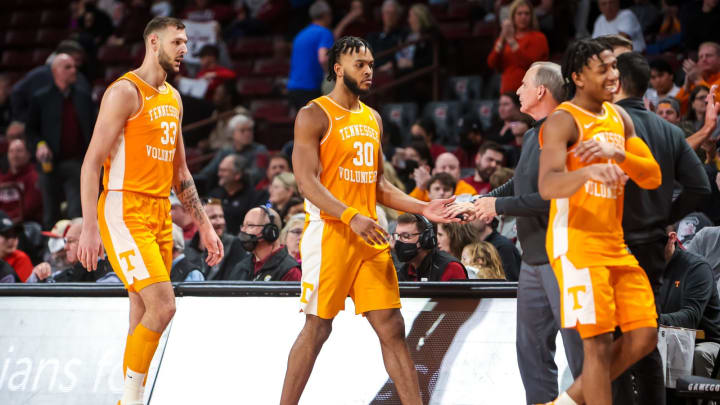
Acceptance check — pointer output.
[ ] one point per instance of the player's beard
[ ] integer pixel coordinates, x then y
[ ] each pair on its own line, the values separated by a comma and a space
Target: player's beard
353, 86
165, 62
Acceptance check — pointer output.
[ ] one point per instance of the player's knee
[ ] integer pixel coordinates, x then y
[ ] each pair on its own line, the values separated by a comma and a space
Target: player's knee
392, 330
319, 330
166, 311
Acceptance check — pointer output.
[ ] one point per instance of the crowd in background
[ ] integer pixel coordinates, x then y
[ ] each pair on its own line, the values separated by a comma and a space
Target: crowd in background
47, 117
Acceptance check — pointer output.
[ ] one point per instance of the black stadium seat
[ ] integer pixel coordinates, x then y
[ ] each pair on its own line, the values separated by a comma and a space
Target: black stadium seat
484, 110
401, 114
465, 88
445, 114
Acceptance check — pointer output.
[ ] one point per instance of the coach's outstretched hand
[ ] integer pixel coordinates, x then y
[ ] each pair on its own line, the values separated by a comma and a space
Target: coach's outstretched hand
89, 247
369, 230
447, 210
212, 243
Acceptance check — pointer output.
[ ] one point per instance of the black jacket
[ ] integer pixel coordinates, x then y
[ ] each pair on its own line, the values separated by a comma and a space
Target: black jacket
689, 297
181, 269
34, 80
520, 197
236, 206
432, 267
7, 273
44, 121
509, 255
77, 273
274, 269
647, 212
234, 253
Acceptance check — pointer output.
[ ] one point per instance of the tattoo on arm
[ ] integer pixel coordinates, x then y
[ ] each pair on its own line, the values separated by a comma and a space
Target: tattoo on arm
187, 194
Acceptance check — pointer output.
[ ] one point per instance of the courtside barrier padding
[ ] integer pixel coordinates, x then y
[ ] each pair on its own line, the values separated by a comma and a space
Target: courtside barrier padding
467, 289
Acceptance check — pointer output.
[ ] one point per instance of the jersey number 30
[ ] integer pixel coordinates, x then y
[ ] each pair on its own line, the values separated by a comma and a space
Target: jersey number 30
167, 127
365, 154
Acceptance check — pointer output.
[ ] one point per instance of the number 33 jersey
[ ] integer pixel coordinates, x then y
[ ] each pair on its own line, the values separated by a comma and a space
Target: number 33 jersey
349, 158
141, 160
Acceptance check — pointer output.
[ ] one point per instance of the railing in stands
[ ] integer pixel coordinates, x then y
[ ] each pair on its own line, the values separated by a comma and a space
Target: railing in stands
433, 69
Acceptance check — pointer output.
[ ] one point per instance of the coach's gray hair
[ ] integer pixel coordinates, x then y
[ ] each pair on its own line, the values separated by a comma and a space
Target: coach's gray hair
237, 120
549, 75
319, 9
395, 3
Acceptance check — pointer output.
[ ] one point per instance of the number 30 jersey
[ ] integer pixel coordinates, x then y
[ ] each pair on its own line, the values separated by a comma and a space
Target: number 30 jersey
141, 160
349, 158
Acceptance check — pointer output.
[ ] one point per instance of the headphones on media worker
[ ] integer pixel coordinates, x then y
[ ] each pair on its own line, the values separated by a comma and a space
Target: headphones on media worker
270, 232
427, 238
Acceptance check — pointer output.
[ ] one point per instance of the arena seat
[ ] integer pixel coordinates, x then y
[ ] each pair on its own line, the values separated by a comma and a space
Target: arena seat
255, 87
243, 68
19, 39
50, 36
484, 110
270, 109
110, 55
465, 88
252, 46
456, 30
401, 114
445, 114
55, 18
39, 56
17, 60
271, 67
25, 20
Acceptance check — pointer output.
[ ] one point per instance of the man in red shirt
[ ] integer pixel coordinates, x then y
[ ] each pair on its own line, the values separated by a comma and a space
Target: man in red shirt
415, 245
211, 71
20, 198
9, 252
278, 163
268, 259
490, 156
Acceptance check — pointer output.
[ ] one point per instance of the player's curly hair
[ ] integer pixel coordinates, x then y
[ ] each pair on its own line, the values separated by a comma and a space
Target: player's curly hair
577, 57
341, 46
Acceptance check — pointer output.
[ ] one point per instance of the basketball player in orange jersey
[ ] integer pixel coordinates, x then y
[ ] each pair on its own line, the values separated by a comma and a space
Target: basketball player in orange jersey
338, 166
589, 149
138, 141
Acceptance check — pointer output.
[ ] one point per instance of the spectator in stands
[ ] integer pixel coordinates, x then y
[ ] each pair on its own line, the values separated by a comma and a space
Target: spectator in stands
130, 24
281, 190
669, 109
506, 225
17, 259
508, 111
518, 127
616, 21
296, 205
471, 137
206, 10
662, 82
425, 129
235, 191
7, 273
509, 255
453, 237
55, 254
411, 161
232, 247
617, 42
5, 109
445, 163
418, 249
490, 156
244, 25
392, 34
182, 269
696, 108
182, 218
441, 185
42, 76
706, 72
268, 259
647, 13
690, 225
277, 163
225, 100
75, 272
482, 261
20, 198
355, 23
94, 24
417, 56
59, 128
669, 34
705, 244
309, 56
161, 8
700, 20
519, 44
242, 127
211, 71
689, 299
291, 234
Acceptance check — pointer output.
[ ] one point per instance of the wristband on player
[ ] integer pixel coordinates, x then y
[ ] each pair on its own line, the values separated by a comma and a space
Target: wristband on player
348, 215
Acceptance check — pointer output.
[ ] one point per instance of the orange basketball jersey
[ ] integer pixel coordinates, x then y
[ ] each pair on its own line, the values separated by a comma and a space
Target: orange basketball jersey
587, 227
349, 158
141, 160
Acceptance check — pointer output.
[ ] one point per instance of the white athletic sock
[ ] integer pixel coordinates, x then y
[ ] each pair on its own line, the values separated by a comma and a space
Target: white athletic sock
564, 399
133, 390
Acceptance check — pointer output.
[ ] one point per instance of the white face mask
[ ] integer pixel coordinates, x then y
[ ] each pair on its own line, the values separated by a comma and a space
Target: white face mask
56, 244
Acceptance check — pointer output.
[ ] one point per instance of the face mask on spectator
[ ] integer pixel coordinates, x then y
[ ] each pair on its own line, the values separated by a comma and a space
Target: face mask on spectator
247, 241
406, 251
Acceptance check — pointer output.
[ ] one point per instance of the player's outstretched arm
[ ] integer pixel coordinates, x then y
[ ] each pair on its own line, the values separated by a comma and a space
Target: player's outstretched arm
436, 210
187, 194
639, 163
118, 104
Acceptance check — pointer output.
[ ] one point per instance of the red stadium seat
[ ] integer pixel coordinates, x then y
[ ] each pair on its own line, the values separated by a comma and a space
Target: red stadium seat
25, 20
114, 55
458, 10
272, 67
243, 68
456, 30
137, 52
113, 72
15, 38
17, 60
271, 110
55, 18
252, 46
39, 56
255, 87
50, 36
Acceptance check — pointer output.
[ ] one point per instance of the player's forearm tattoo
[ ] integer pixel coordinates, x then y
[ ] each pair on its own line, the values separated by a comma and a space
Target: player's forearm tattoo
187, 194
